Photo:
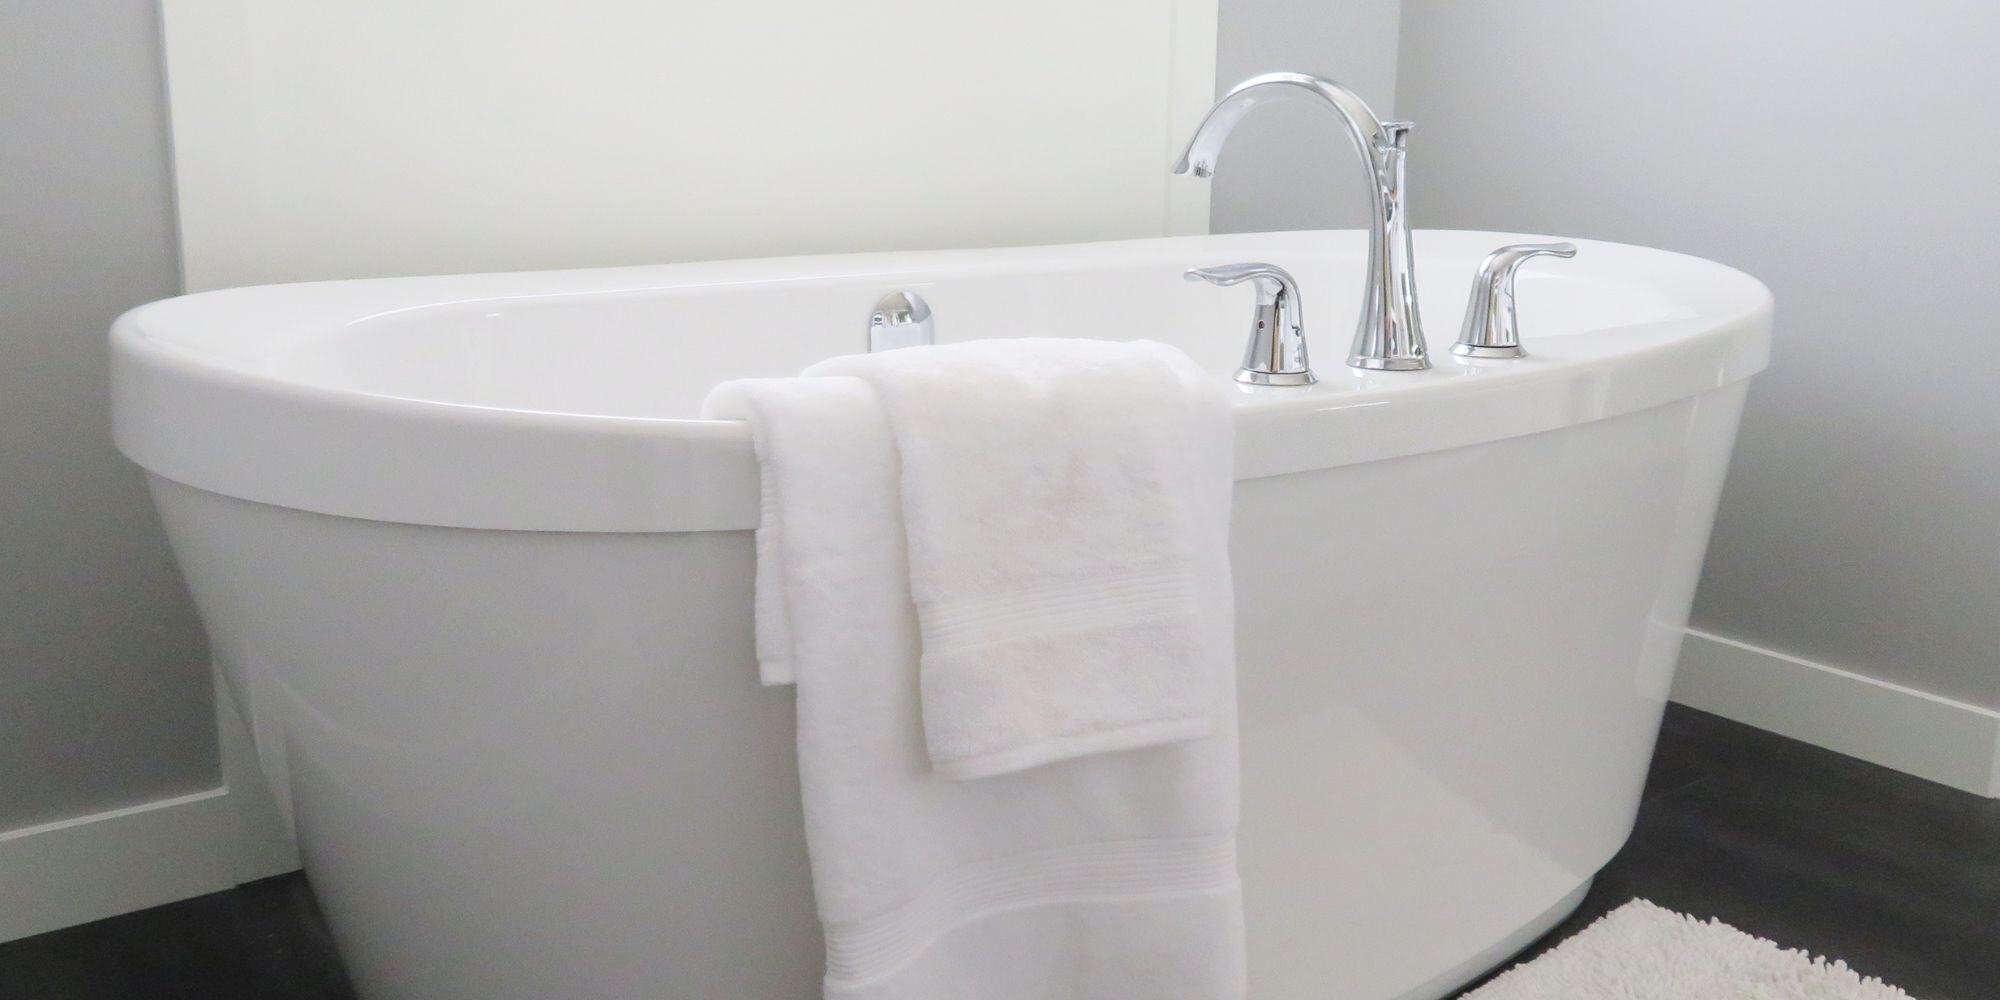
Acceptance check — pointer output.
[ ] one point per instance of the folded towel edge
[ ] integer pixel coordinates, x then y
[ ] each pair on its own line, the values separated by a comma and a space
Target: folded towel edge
1019, 758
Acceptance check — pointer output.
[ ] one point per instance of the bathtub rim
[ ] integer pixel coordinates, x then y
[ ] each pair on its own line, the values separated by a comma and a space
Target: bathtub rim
219, 427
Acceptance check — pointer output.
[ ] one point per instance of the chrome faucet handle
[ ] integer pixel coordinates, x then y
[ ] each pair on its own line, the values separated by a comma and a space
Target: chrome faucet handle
1276, 353
1490, 329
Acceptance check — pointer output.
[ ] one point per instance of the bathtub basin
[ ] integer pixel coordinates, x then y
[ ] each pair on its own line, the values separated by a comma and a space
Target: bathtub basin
480, 582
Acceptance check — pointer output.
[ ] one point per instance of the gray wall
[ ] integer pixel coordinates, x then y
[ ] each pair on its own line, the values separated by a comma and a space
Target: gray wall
1291, 166
1845, 153
104, 692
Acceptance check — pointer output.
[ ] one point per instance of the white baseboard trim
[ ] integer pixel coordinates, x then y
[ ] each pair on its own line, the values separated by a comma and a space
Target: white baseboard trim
90, 867
1946, 741
84, 868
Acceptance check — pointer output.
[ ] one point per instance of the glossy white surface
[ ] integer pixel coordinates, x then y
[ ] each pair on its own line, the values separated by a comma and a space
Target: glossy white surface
484, 398
536, 762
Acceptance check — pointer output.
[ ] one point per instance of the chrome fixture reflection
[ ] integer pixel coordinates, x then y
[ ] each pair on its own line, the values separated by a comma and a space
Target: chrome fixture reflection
1491, 330
900, 319
1276, 353
1389, 336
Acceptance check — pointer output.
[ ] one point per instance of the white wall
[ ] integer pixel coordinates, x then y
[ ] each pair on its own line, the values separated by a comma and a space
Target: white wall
104, 685
319, 140
1844, 152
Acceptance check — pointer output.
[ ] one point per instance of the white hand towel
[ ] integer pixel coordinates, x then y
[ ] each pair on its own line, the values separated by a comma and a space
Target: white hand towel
1105, 877
1058, 498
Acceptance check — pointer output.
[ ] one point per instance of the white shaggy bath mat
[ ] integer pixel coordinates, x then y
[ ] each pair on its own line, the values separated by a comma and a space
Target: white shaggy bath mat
1644, 952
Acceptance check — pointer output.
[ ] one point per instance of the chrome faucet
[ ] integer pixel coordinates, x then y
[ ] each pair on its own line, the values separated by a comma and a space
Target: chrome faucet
1389, 336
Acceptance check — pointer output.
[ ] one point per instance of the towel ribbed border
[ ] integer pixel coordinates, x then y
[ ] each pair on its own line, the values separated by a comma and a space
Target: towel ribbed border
1055, 609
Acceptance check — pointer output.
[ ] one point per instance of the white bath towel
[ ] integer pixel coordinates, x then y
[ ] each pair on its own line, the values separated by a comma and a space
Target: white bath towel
1110, 876
1055, 503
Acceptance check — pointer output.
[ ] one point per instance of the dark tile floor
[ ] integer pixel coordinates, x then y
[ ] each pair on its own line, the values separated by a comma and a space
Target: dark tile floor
1898, 876
264, 941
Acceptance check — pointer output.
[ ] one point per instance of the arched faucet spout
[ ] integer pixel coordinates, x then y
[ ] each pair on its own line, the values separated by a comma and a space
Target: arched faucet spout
1362, 124
1389, 335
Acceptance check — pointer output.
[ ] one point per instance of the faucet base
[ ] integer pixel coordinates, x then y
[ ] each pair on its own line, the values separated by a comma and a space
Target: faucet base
1479, 351
1388, 364
1248, 377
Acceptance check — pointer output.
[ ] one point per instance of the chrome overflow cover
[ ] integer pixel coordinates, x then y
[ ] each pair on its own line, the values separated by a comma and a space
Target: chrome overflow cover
901, 319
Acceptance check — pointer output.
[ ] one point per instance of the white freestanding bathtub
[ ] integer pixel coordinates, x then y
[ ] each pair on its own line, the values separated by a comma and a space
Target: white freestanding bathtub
481, 583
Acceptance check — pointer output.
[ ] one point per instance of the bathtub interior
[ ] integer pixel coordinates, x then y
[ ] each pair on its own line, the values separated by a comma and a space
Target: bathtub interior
654, 352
